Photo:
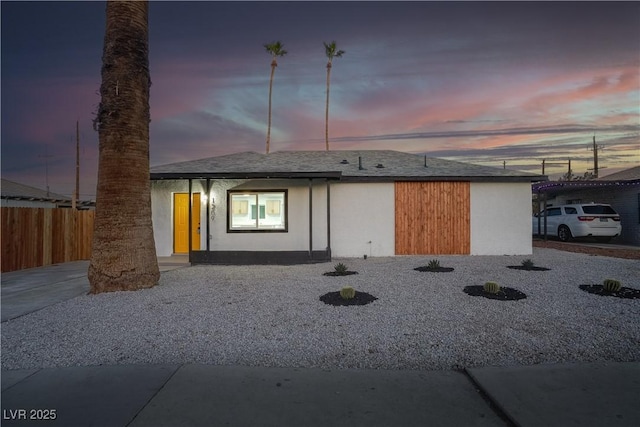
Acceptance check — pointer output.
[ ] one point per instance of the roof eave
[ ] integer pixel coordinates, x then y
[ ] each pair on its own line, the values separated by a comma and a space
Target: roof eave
244, 175
457, 178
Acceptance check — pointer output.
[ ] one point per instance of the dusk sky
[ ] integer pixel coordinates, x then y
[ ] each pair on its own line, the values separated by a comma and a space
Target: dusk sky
470, 81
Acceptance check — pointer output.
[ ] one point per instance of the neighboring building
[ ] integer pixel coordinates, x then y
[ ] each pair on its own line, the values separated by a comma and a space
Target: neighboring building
307, 206
620, 190
17, 195
23, 196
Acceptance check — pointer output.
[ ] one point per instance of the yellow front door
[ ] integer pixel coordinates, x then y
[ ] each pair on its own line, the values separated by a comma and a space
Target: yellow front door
181, 223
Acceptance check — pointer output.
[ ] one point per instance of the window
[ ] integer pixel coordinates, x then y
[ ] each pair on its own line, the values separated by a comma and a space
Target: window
554, 212
598, 209
251, 211
571, 211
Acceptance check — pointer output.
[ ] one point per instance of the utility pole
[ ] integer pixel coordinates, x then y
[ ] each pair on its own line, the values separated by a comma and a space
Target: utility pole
46, 167
76, 193
568, 162
595, 148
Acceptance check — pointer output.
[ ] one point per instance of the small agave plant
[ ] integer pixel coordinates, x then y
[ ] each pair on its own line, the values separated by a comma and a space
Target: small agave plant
434, 264
347, 292
340, 268
611, 285
491, 287
527, 263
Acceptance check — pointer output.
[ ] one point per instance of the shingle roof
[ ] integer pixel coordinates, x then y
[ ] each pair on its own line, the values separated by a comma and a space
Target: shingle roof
14, 190
362, 165
627, 174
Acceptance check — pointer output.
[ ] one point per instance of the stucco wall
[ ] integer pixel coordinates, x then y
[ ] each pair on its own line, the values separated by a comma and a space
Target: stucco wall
162, 212
501, 218
297, 237
362, 219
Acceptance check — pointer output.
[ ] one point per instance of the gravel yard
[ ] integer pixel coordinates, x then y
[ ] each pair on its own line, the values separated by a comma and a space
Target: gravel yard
272, 316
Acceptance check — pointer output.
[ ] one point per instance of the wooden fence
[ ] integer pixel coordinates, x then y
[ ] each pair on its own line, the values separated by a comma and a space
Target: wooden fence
33, 237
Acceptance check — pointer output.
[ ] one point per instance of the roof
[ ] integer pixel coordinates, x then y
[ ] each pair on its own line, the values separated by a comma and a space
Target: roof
622, 179
627, 174
360, 165
16, 191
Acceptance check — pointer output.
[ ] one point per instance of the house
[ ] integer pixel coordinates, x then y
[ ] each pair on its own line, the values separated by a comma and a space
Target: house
621, 190
307, 206
18, 195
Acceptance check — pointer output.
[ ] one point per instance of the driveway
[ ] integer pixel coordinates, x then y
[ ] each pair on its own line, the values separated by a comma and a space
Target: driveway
29, 290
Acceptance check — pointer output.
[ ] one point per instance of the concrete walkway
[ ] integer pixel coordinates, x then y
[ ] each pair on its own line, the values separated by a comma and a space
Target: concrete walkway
596, 394
26, 291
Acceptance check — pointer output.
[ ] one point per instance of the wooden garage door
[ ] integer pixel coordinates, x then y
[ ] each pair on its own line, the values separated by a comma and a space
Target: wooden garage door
432, 218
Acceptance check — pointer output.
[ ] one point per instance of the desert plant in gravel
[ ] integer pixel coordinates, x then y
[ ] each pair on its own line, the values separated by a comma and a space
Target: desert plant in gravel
347, 292
527, 263
434, 264
340, 268
611, 285
491, 287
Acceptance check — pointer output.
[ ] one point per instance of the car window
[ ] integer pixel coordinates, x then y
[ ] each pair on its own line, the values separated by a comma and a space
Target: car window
598, 209
554, 212
571, 211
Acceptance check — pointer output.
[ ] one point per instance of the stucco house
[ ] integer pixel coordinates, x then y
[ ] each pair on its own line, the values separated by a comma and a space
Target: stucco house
621, 190
307, 206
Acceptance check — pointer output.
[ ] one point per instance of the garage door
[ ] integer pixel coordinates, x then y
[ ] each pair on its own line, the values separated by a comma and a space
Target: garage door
432, 218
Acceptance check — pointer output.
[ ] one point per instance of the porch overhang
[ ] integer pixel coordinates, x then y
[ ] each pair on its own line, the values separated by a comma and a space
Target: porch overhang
555, 187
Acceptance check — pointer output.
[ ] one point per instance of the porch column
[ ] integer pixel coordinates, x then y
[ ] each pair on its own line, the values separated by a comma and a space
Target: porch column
539, 232
190, 220
310, 218
544, 199
208, 214
328, 218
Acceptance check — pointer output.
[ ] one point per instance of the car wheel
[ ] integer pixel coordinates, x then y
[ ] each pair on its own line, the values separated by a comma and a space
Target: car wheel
603, 239
564, 234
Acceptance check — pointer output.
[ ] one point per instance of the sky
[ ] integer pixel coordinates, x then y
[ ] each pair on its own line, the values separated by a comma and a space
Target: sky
503, 84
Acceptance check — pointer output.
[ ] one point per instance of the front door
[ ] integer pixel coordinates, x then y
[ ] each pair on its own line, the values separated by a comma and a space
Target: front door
181, 223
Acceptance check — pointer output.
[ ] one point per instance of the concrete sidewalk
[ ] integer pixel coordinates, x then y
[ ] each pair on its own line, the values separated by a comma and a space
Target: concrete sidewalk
202, 395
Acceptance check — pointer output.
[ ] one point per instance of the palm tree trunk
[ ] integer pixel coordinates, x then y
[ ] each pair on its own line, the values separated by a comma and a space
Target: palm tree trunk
273, 69
123, 254
326, 121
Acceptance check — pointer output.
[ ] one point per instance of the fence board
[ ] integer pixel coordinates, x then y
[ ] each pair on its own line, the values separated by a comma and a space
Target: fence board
33, 237
432, 218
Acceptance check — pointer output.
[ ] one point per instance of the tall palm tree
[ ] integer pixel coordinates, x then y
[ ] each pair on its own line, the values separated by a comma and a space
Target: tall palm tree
275, 49
123, 254
331, 51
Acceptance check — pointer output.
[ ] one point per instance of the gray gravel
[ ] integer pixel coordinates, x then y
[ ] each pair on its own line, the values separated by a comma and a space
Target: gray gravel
272, 316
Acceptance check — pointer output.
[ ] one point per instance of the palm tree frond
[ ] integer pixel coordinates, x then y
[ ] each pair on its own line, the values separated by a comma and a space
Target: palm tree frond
275, 49
331, 50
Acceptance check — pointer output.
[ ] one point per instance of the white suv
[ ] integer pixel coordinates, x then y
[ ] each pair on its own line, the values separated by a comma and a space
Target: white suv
569, 221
